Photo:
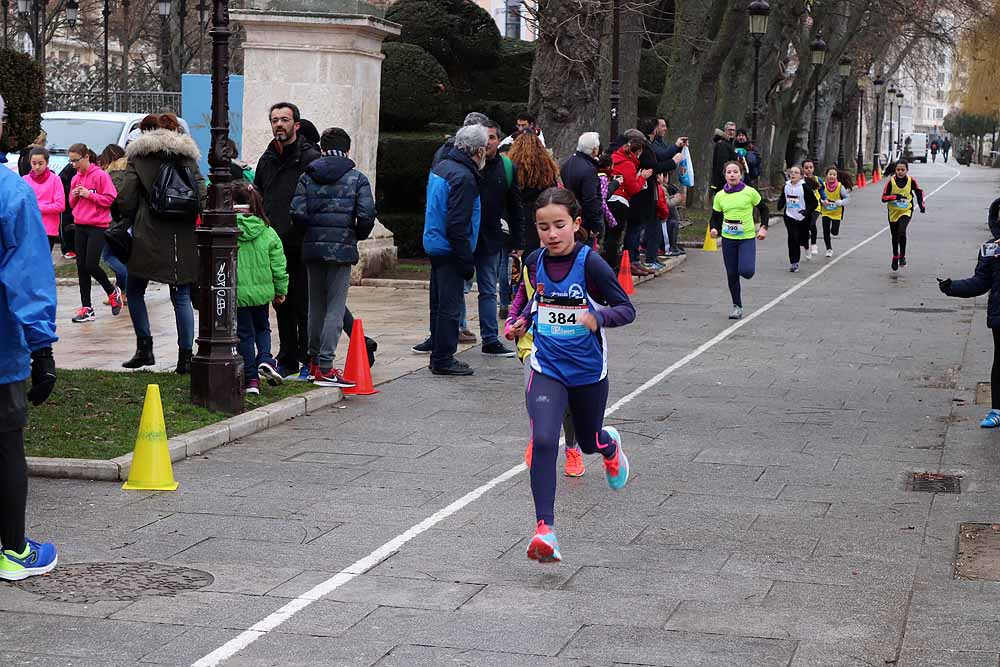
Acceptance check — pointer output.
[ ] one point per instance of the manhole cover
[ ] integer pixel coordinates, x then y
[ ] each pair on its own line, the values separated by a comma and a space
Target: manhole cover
86, 583
978, 552
929, 482
926, 311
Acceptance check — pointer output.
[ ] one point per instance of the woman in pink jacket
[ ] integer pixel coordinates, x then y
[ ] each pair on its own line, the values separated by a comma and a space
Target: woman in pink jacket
48, 191
91, 194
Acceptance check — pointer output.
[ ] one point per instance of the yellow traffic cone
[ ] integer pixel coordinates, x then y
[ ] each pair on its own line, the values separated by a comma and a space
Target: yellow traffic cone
151, 467
710, 244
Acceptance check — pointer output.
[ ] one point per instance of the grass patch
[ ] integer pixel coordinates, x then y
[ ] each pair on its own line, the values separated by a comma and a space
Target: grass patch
68, 270
95, 414
410, 269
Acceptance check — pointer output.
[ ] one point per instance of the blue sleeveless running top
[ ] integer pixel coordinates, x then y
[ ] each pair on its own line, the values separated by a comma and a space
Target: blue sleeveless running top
563, 348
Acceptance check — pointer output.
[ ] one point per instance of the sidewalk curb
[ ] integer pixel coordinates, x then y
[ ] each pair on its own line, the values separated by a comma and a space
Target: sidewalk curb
192, 443
671, 264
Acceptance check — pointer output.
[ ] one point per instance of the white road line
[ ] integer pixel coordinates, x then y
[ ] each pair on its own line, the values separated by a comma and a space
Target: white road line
272, 621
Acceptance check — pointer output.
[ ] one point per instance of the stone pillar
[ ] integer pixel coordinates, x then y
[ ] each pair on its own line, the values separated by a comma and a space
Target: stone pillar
330, 66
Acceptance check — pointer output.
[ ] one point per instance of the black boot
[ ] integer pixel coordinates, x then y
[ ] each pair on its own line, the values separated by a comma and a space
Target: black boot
371, 347
143, 353
183, 361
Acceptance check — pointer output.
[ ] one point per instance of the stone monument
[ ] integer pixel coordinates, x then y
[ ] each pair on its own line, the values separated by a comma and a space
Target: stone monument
325, 56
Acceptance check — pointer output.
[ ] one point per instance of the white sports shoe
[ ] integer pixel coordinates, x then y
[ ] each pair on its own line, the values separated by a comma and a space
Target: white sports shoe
814, 250
829, 253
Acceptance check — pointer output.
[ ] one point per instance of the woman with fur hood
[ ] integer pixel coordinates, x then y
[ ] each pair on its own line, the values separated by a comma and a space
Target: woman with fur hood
163, 251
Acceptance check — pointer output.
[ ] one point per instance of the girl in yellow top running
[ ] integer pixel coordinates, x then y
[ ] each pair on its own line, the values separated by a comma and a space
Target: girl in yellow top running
732, 218
899, 194
835, 196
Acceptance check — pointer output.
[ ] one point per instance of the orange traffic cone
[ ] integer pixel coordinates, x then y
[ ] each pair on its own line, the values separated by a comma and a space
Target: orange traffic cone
875, 173
357, 369
625, 274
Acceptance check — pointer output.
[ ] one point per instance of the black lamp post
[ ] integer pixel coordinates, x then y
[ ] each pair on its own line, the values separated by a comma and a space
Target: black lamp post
32, 13
216, 371
616, 96
892, 116
817, 51
879, 84
202, 9
182, 13
758, 11
844, 69
861, 126
163, 9
106, 15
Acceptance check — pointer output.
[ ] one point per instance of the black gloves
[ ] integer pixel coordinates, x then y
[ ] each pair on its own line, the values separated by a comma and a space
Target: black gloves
945, 286
900, 197
43, 375
468, 270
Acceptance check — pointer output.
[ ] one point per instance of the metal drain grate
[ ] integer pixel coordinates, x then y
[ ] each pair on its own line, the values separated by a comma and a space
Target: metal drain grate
929, 482
923, 311
87, 583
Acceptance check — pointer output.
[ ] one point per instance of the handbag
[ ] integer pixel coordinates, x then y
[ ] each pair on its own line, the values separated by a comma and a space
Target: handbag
119, 240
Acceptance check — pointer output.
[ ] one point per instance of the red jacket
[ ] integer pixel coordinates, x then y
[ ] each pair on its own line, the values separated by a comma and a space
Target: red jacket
662, 209
626, 165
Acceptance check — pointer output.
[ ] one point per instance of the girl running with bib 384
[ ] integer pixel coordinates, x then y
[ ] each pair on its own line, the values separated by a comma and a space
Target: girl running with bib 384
577, 296
899, 194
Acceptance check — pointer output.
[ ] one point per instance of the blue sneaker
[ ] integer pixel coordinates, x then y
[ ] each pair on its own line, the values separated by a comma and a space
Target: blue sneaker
992, 419
544, 547
616, 468
304, 374
38, 558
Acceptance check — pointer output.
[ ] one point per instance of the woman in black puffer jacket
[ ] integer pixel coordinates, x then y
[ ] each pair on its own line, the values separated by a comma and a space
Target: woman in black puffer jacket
986, 279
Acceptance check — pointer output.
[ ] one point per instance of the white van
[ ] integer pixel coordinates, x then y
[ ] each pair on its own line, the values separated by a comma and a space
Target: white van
97, 129
915, 147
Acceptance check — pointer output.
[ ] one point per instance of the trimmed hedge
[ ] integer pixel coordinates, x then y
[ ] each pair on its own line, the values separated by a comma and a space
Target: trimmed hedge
504, 113
415, 88
404, 160
22, 85
510, 79
407, 228
459, 33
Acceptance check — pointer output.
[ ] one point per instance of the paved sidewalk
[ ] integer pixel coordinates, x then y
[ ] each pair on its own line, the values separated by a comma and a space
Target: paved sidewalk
767, 523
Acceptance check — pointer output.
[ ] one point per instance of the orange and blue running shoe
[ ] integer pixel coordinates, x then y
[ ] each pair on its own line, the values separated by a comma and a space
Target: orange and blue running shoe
616, 468
574, 462
544, 547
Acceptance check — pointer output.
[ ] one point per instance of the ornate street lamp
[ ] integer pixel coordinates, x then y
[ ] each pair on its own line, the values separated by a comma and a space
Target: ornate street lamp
899, 122
216, 370
891, 94
203, 17
817, 51
182, 13
72, 12
615, 97
32, 12
879, 84
163, 9
758, 11
844, 69
6, 10
106, 16
861, 125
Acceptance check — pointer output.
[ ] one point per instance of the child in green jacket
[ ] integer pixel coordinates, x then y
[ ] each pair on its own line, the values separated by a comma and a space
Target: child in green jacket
261, 279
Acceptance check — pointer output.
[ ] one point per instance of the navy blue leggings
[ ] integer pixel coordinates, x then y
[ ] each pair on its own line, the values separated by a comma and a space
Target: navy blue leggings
547, 400
740, 256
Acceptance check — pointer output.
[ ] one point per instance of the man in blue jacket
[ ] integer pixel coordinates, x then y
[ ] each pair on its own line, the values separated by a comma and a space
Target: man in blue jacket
451, 229
28, 329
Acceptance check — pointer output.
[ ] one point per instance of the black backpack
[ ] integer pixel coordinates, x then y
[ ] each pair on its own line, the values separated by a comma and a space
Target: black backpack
174, 194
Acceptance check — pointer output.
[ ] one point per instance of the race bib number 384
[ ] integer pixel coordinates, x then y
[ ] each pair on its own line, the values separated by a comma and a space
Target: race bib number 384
561, 320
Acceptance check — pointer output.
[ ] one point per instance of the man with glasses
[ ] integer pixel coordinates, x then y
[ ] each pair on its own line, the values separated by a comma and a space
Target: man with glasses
28, 329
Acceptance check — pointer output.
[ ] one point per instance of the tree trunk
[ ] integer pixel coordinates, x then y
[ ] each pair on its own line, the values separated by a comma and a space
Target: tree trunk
564, 89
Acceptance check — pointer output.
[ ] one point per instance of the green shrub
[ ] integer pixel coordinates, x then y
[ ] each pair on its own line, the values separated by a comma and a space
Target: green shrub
459, 33
23, 87
407, 228
415, 88
509, 79
504, 113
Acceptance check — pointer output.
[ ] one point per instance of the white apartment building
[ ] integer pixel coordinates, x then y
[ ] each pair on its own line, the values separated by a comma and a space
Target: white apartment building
509, 18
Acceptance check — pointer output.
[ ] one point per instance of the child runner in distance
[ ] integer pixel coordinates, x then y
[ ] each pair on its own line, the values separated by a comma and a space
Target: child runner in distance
811, 181
796, 200
48, 191
835, 196
91, 194
732, 218
898, 196
261, 278
569, 356
985, 279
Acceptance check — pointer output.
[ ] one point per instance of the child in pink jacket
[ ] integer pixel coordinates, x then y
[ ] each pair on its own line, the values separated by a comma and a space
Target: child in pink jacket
91, 194
48, 191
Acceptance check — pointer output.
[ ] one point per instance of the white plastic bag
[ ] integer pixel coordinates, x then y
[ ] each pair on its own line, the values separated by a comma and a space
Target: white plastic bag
685, 169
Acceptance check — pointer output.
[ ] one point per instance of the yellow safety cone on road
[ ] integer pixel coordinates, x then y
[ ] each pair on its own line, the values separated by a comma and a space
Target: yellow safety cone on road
710, 244
151, 467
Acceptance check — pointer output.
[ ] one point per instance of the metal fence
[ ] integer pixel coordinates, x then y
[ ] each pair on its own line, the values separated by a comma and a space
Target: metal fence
133, 101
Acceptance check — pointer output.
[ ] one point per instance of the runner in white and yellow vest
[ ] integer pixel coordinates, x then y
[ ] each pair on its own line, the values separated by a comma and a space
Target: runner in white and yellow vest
835, 196
898, 195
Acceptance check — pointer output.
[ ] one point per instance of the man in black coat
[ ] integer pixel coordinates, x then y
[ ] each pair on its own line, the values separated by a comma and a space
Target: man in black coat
278, 173
722, 152
579, 174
